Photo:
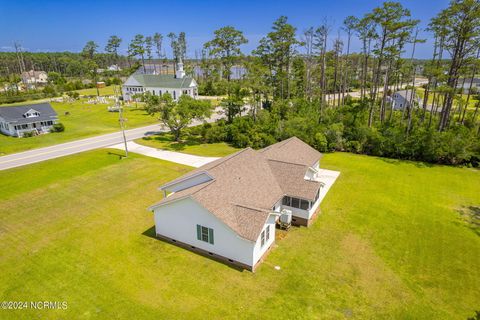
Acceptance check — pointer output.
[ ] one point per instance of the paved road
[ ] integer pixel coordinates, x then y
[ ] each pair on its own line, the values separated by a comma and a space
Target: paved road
64, 149
68, 148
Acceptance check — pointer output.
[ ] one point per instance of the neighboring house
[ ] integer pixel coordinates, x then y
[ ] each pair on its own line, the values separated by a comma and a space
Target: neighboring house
114, 67
402, 98
39, 118
466, 84
158, 84
34, 77
228, 208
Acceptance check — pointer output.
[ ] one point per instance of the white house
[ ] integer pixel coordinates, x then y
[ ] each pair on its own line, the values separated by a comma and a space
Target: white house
37, 118
228, 208
34, 77
158, 84
402, 98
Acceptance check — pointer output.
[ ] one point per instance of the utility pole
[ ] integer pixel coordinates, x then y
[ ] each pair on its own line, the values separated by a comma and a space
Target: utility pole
121, 119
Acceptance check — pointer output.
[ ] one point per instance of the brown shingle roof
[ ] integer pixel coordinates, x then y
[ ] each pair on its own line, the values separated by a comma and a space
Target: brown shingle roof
292, 150
290, 177
247, 184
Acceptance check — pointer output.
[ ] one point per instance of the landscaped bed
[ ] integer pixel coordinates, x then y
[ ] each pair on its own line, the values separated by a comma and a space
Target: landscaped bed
390, 243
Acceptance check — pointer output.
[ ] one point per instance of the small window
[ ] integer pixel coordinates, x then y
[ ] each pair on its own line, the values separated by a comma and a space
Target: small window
262, 239
268, 232
204, 234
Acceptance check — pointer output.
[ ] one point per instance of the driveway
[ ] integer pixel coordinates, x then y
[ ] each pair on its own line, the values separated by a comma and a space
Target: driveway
178, 157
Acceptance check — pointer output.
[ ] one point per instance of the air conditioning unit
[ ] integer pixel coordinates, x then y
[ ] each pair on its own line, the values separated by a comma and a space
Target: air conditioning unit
285, 218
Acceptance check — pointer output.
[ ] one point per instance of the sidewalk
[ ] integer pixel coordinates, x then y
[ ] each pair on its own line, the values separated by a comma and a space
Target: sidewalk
178, 157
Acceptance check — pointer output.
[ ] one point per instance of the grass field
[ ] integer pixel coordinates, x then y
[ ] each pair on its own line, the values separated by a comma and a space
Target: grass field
107, 91
471, 103
389, 244
191, 145
84, 120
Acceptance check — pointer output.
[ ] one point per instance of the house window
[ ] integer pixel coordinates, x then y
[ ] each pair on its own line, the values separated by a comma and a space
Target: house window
268, 232
304, 204
295, 202
262, 239
174, 95
204, 234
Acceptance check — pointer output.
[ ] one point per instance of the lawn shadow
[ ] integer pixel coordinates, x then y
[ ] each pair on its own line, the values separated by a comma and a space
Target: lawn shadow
137, 110
418, 164
119, 155
168, 144
470, 217
150, 232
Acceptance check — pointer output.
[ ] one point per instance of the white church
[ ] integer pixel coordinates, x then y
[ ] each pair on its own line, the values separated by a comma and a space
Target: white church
159, 84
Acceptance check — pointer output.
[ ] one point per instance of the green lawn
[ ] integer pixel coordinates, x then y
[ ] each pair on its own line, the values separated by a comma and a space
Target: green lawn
471, 103
84, 120
191, 145
107, 91
389, 244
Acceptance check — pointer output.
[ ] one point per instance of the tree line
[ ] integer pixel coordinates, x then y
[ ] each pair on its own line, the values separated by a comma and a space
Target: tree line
303, 86
311, 84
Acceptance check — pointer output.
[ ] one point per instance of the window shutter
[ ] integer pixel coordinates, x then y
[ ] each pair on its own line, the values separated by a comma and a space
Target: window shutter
210, 235
199, 232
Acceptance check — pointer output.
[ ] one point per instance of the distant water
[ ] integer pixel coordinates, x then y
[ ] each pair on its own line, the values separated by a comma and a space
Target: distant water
237, 72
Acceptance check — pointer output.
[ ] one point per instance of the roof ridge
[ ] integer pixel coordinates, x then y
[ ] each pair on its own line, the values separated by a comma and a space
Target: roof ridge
287, 162
278, 144
165, 200
227, 158
249, 207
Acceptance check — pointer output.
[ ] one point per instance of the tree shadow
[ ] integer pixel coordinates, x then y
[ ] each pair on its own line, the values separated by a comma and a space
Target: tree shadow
150, 233
470, 217
166, 140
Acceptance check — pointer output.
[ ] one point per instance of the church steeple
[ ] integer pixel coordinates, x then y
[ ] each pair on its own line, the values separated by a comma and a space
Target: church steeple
180, 73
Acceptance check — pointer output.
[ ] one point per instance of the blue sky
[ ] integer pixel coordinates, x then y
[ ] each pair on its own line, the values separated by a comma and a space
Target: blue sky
53, 25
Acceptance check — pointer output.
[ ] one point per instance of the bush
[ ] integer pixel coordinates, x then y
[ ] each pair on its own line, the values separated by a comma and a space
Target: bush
28, 134
58, 127
215, 134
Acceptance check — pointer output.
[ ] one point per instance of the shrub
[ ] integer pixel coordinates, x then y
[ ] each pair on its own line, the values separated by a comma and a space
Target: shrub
28, 134
58, 127
215, 134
